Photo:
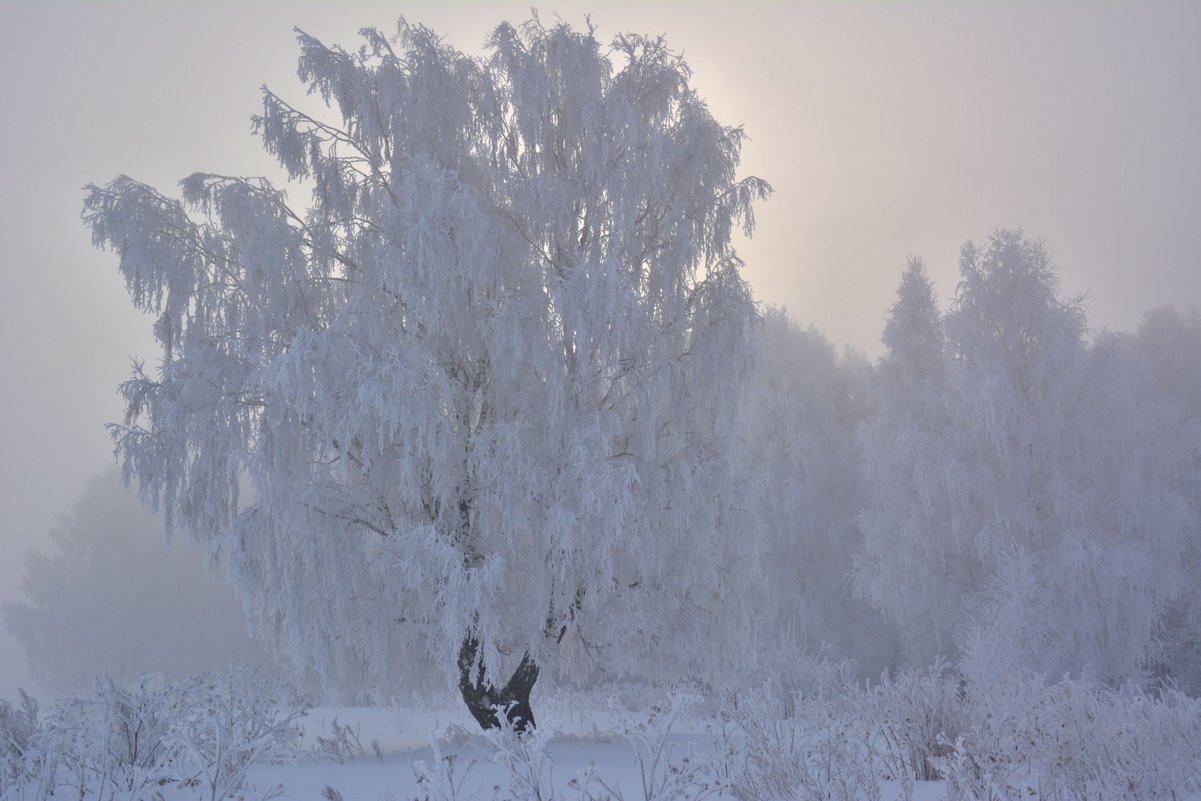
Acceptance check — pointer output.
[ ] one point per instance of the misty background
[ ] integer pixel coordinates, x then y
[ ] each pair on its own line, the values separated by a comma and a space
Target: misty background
885, 132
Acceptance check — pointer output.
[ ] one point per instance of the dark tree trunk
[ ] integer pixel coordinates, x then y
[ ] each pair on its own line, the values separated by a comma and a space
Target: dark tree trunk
482, 697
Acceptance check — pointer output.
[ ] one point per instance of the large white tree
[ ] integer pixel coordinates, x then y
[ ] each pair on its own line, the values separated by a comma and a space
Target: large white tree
482, 386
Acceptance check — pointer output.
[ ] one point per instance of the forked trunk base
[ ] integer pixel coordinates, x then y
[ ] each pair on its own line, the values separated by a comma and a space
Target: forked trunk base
483, 698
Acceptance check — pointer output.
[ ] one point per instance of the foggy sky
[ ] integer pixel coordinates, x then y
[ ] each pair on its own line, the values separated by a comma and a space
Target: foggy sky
884, 130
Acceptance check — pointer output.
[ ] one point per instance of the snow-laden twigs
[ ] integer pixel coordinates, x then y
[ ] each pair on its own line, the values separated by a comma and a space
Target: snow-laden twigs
1072, 741
917, 713
21, 762
524, 757
344, 744
230, 723
665, 771
443, 778
819, 753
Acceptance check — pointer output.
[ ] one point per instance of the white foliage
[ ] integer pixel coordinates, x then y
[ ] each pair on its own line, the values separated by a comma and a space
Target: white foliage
666, 771
483, 383
524, 758
444, 777
21, 763
818, 751
918, 713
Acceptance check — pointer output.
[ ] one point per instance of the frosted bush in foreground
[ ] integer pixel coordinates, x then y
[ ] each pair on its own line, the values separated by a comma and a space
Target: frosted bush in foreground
442, 778
524, 758
201, 734
135, 724
818, 752
1018, 739
917, 713
665, 773
344, 744
229, 723
19, 757
1074, 741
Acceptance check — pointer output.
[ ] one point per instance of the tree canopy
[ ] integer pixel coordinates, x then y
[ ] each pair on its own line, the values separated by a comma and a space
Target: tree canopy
483, 385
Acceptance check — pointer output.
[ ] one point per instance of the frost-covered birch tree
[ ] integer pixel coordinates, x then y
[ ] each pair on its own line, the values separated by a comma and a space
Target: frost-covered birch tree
482, 386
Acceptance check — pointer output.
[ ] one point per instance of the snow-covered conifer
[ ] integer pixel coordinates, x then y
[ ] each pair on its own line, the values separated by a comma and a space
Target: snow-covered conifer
909, 565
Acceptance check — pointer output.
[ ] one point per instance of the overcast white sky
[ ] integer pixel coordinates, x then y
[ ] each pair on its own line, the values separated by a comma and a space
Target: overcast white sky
886, 129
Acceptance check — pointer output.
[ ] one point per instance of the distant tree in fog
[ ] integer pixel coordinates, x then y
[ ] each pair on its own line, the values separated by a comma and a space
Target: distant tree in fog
909, 565
803, 489
1068, 477
1052, 488
1168, 347
483, 386
114, 599
1169, 343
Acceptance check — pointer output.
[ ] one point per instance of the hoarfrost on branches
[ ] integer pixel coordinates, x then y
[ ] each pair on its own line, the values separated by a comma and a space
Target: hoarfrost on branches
483, 386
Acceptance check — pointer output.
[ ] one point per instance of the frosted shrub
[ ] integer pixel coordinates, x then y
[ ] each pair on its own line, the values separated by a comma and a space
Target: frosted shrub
793, 670
523, 756
20, 760
229, 723
997, 756
817, 754
443, 779
1073, 741
73, 744
115, 741
726, 743
918, 714
132, 730
665, 772
1102, 744
124, 741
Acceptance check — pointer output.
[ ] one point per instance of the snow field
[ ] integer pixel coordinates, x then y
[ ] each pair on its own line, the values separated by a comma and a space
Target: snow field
920, 735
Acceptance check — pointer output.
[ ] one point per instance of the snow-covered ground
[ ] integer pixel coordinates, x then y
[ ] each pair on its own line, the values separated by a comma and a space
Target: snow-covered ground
1027, 740
587, 743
